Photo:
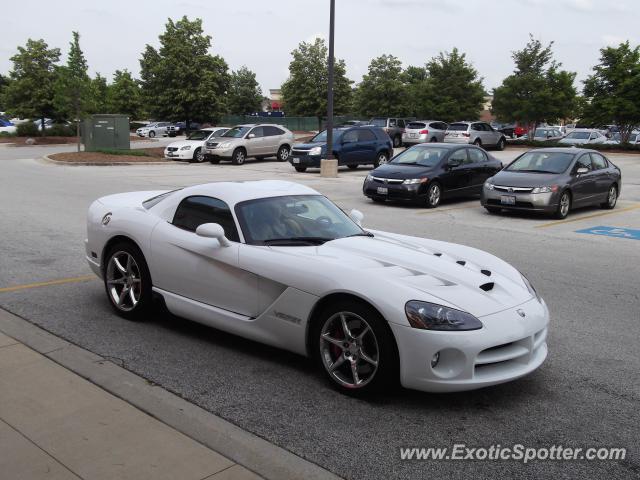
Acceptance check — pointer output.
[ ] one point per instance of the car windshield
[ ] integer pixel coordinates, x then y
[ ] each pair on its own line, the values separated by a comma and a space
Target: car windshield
294, 220
378, 122
236, 132
199, 135
322, 136
579, 135
422, 156
542, 162
541, 133
458, 126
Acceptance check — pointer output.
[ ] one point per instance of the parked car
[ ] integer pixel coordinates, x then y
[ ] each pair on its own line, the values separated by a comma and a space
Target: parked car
554, 181
480, 134
192, 148
510, 130
421, 131
7, 126
394, 127
250, 141
352, 146
353, 123
425, 174
547, 134
279, 263
154, 129
583, 136
179, 128
634, 139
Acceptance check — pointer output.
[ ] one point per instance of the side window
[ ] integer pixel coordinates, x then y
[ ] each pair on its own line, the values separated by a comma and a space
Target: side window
392, 122
401, 123
476, 126
459, 156
194, 211
366, 135
350, 136
272, 131
598, 161
583, 162
476, 156
441, 126
258, 132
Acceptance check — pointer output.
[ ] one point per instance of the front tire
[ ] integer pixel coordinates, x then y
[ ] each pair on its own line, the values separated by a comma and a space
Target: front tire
152, 134
355, 348
612, 198
493, 210
127, 281
198, 155
564, 205
283, 153
352, 167
434, 195
239, 156
301, 169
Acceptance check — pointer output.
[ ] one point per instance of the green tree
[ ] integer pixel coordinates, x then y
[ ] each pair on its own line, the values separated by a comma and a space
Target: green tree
98, 95
124, 95
4, 83
418, 100
30, 92
537, 91
72, 86
612, 93
383, 90
182, 80
245, 95
304, 93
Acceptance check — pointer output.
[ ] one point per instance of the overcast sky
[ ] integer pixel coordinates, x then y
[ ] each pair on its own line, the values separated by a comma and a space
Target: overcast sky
262, 33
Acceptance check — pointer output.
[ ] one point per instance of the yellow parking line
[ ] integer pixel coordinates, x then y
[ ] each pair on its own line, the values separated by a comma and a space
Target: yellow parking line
61, 281
586, 217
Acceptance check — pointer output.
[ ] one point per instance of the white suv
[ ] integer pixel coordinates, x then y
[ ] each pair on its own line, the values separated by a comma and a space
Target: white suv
244, 141
480, 134
153, 129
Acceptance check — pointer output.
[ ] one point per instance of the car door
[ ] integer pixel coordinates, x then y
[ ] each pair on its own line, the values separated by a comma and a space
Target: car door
457, 175
255, 142
478, 163
199, 268
583, 184
368, 145
272, 136
601, 176
350, 153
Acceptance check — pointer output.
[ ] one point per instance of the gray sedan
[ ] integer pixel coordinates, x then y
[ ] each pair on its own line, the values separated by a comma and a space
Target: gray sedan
554, 180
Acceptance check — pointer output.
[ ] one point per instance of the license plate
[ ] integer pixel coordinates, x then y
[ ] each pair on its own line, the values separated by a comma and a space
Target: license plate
382, 190
413, 135
507, 200
296, 160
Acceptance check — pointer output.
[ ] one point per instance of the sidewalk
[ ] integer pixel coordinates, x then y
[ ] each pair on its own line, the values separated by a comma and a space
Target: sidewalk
56, 425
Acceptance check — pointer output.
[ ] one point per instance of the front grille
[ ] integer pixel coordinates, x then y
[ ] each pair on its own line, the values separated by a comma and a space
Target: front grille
387, 180
172, 149
299, 153
501, 188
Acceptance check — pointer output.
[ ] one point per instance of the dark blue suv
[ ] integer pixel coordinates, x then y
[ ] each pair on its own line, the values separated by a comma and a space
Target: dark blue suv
352, 146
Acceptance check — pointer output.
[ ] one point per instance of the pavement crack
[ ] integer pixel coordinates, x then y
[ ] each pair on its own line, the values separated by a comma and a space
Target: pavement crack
115, 360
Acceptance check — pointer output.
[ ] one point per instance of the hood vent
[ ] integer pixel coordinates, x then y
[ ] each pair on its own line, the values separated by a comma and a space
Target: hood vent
487, 286
486, 272
438, 254
461, 262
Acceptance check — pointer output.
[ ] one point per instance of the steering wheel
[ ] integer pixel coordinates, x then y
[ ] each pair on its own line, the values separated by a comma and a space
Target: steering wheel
326, 221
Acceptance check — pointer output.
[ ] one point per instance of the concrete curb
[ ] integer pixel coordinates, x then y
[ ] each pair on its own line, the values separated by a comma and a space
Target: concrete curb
47, 158
244, 448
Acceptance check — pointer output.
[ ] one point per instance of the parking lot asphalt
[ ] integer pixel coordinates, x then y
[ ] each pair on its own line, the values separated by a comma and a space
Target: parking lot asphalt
586, 394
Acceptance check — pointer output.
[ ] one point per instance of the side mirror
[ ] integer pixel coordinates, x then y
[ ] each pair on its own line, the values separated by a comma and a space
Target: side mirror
251, 135
357, 216
582, 170
213, 230
453, 162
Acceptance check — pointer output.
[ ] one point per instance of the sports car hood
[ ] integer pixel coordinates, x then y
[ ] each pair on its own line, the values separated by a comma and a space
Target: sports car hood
525, 179
441, 272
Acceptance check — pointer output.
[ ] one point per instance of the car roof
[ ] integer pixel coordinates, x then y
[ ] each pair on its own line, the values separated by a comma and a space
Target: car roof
235, 192
449, 146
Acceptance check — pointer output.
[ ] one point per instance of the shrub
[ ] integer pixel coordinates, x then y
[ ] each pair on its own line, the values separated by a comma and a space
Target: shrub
27, 129
61, 130
133, 126
7, 134
114, 151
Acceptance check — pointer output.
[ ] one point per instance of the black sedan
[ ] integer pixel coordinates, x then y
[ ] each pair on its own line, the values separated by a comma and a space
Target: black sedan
429, 172
554, 180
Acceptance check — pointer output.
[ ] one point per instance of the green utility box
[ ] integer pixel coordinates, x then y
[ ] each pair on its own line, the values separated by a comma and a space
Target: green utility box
105, 131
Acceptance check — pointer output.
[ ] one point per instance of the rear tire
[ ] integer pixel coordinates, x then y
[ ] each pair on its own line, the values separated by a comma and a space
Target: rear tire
397, 141
612, 198
564, 205
301, 169
501, 144
381, 159
127, 281
283, 153
477, 142
355, 348
239, 156
433, 140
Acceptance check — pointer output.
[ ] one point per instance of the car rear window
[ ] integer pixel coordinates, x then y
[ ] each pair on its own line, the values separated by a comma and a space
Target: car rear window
461, 127
416, 125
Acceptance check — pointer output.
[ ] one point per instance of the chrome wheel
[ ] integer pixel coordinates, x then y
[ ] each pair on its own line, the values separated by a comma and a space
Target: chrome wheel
612, 198
123, 279
199, 156
349, 349
382, 159
565, 203
434, 195
239, 157
283, 154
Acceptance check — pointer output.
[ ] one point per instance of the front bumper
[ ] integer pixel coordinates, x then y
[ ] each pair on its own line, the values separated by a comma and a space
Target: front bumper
507, 347
535, 202
394, 191
222, 153
178, 154
309, 161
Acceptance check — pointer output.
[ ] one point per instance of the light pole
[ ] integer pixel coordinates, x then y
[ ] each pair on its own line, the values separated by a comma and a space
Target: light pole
328, 165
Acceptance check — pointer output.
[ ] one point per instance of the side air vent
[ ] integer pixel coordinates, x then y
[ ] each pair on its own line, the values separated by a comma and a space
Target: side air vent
461, 262
487, 286
486, 272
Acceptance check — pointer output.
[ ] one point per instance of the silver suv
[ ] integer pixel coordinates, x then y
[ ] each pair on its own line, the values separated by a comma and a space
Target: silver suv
477, 133
244, 141
422, 131
393, 126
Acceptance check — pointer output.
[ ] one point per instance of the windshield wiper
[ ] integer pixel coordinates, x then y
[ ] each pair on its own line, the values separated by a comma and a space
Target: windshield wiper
361, 234
532, 171
311, 240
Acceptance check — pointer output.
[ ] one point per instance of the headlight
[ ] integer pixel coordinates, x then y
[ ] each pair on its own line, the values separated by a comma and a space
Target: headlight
489, 186
315, 151
529, 286
187, 147
224, 144
413, 181
552, 188
369, 178
430, 316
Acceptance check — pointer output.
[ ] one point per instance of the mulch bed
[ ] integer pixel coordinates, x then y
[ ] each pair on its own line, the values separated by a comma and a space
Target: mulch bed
153, 155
